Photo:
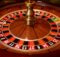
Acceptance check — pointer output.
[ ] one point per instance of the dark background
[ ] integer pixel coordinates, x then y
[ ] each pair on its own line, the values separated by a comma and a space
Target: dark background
54, 2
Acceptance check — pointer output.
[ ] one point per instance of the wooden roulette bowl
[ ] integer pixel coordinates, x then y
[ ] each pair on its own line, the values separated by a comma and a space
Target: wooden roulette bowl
42, 37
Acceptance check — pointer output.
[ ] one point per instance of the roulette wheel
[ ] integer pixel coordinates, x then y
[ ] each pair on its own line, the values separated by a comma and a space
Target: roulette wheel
29, 28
